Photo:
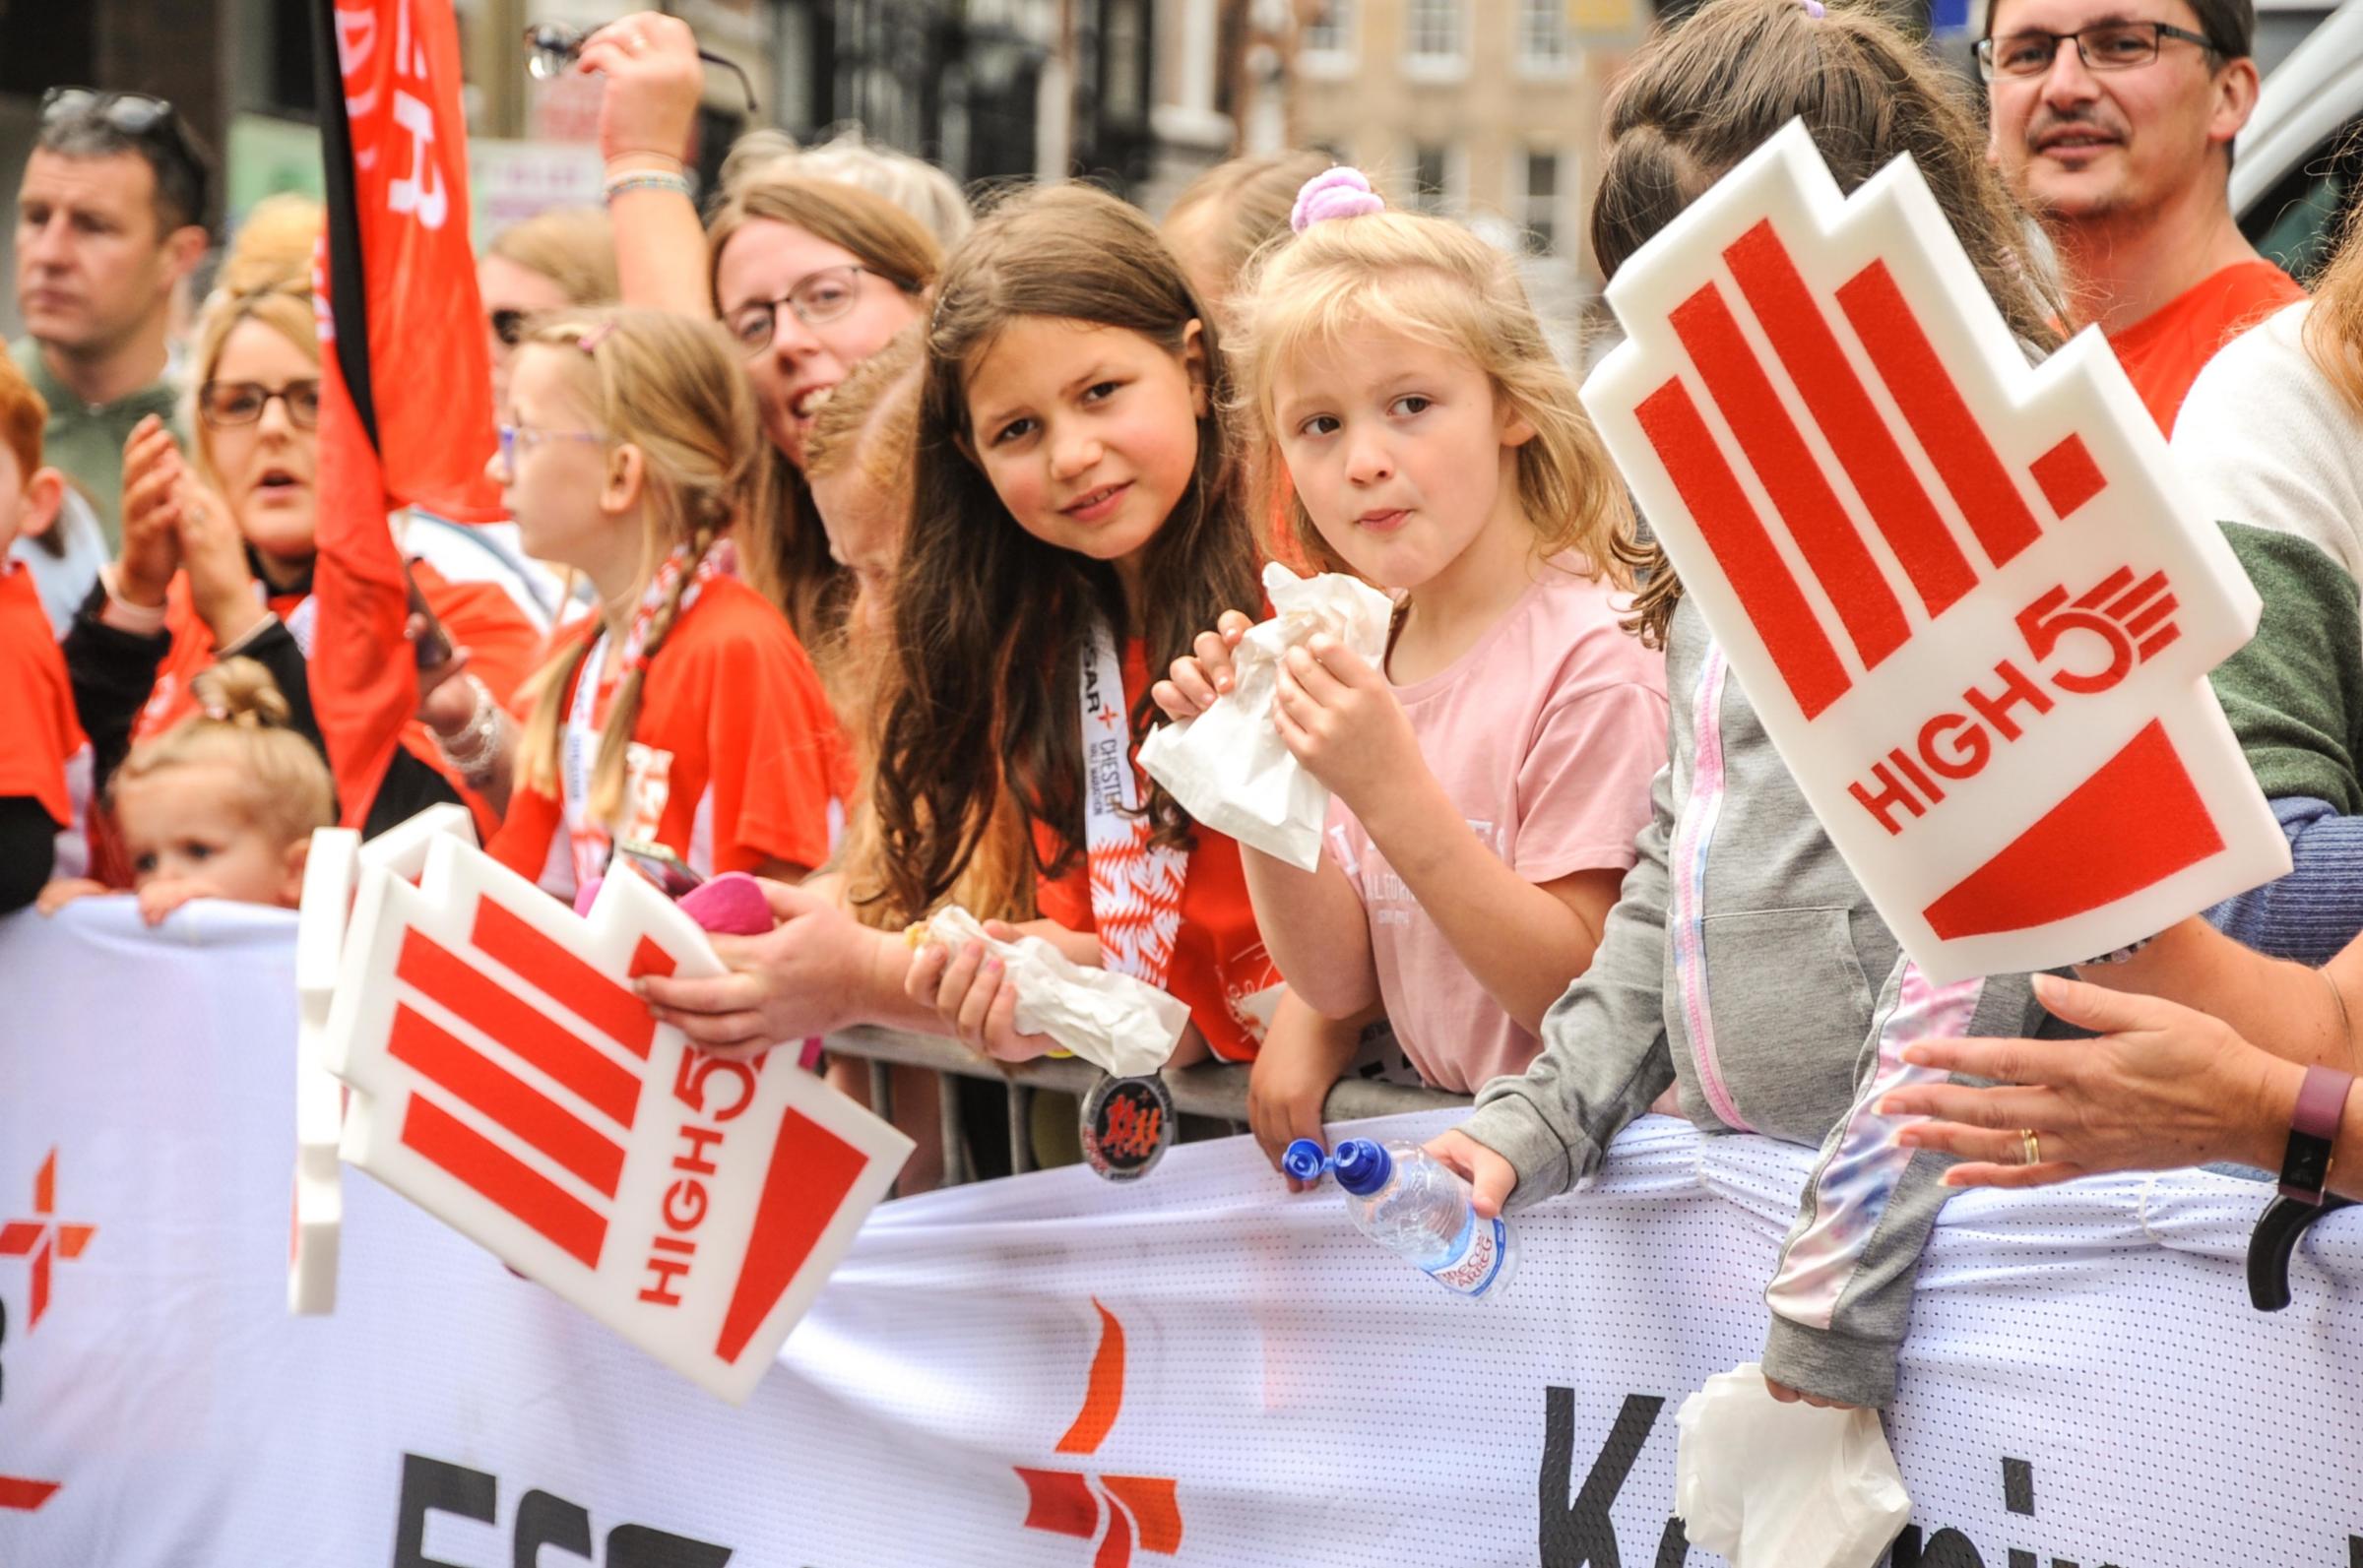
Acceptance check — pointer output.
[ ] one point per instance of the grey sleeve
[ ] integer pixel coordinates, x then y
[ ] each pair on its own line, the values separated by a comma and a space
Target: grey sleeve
1605, 1055
1841, 1298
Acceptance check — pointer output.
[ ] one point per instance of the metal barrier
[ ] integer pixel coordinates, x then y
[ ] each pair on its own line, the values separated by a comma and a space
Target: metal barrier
1216, 1090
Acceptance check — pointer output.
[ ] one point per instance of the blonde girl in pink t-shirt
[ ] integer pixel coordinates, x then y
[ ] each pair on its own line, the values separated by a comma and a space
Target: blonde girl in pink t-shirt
1491, 777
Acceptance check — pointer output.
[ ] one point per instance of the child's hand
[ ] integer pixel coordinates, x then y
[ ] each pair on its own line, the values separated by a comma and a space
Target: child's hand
1492, 1177
973, 994
1303, 1054
160, 895
1339, 717
56, 895
1204, 673
1790, 1396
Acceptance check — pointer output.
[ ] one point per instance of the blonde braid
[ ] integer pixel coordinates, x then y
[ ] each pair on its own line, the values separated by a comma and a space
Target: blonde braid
615, 738
541, 750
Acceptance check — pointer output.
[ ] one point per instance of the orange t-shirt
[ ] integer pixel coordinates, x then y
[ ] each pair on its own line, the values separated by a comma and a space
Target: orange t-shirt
2164, 351
737, 758
1219, 968
504, 648
41, 741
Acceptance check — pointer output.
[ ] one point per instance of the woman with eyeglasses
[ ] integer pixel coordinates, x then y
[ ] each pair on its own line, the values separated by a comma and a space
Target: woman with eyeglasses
811, 277
218, 547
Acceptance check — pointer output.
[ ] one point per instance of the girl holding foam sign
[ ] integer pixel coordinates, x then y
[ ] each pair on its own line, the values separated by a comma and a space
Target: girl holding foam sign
1490, 775
1745, 965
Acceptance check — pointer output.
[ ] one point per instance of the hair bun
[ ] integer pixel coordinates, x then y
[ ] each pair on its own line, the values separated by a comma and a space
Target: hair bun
241, 692
1341, 192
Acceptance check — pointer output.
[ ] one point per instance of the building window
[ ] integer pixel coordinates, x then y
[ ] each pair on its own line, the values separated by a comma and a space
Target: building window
1431, 177
1540, 190
1432, 34
1331, 30
1542, 36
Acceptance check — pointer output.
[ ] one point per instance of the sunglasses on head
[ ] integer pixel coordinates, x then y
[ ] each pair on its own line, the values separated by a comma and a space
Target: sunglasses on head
508, 326
139, 115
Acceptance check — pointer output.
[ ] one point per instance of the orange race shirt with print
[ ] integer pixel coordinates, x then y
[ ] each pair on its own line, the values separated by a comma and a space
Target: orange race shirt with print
504, 648
2165, 351
41, 744
737, 758
1220, 970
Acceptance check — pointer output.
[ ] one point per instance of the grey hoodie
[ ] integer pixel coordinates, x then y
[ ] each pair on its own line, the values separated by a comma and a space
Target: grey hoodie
1743, 963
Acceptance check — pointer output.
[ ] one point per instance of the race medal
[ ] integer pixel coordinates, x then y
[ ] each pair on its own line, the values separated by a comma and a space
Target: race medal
1127, 1125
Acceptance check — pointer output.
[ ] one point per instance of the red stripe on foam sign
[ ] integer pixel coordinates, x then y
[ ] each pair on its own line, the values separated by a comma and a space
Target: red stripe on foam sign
518, 1025
566, 980
419, 1043
1800, 490
1775, 606
1851, 422
811, 1172
1939, 415
571, 1225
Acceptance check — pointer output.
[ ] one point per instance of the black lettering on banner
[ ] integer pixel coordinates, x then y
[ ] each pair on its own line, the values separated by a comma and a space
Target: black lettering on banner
2355, 1551
638, 1547
1674, 1546
2, 1342
2019, 1486
1581, 1534
546, 1521
430, 1486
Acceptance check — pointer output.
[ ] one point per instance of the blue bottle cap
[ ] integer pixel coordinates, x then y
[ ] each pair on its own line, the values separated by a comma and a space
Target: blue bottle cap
1304, 1159
1362, 1167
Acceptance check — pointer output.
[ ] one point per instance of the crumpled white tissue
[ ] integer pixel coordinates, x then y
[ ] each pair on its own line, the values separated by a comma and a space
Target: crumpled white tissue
1122, 1025
1227, 767
1774, 1486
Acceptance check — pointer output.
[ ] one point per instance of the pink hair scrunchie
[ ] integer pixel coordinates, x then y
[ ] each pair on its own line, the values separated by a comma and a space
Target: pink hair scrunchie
1335, 193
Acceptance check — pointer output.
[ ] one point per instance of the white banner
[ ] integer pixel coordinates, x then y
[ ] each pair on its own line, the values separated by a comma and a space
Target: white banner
1052, 1371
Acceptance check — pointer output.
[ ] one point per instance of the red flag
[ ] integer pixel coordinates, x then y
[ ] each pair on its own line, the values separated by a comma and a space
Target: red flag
405, 386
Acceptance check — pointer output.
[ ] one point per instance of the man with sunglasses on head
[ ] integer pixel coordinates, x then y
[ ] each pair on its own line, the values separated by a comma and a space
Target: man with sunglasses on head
110, 217
2113, 122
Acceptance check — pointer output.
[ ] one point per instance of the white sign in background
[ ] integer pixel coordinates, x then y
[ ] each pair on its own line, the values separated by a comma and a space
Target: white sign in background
1057, 1373
1968, 599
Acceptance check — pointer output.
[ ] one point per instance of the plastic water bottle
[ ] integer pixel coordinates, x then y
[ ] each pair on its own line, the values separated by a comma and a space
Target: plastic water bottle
1414, 1205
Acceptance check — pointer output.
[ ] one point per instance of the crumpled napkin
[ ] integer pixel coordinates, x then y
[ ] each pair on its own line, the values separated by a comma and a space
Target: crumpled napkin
1774, 1486
1227, 767
1123, 1026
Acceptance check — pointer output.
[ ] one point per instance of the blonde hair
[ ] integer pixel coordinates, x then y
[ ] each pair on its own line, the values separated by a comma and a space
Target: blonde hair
913, 184
574, 247
1436, 284
243, 722
267, 277
666, 385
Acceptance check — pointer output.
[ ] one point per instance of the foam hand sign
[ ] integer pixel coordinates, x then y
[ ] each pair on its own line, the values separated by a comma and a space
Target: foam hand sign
508, 1079
1966, 595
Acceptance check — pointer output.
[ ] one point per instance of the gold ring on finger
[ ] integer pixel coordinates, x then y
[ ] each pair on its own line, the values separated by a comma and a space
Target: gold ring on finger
2030, 1143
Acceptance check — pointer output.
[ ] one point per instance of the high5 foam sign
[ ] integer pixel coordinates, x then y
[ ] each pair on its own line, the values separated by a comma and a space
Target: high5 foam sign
1966, 594
507, 1078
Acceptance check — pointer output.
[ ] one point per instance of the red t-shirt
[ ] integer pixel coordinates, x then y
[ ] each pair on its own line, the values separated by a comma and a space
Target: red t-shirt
40, 742
2164, 351
1220, 968
737, 758
502, 646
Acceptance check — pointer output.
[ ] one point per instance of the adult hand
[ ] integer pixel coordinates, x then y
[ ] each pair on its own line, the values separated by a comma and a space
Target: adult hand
2163, 1086
215, 553
1491, 1178
655, 83
152, 471
1339, 717
802, 977
1206, 673
974, 997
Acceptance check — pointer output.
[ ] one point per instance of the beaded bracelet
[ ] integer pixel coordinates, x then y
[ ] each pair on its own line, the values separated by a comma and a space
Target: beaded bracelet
476, 747
678, 183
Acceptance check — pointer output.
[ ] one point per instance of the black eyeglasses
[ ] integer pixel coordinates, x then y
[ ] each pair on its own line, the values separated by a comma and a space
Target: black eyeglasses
226, 404
2103, 46
141, 116
817, 298
508, 326
550, 47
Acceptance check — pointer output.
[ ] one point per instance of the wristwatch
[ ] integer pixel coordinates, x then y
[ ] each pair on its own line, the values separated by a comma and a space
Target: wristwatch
2312, 1131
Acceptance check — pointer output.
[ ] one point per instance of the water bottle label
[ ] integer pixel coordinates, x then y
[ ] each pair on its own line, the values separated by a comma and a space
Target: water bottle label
1476, 1260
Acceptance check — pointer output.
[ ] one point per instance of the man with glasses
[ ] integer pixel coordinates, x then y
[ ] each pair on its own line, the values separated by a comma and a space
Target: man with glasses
2113, 122
110, 217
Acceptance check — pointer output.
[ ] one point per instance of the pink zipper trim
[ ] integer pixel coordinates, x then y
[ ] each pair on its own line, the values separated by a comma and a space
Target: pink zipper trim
1694, 835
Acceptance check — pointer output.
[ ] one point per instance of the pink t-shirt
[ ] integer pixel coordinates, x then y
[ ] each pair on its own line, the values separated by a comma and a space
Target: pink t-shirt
1546, 735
